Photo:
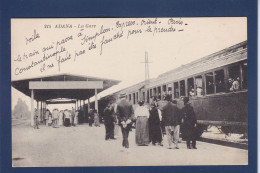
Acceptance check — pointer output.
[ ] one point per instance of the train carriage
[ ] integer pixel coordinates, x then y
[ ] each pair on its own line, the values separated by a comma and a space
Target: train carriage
207, 81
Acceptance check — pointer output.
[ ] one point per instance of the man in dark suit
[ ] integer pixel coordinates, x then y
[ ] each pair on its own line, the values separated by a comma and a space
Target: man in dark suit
170, 118
109, 121
125, 114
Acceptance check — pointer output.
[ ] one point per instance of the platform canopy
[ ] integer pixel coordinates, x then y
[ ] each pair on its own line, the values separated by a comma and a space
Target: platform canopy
63, 86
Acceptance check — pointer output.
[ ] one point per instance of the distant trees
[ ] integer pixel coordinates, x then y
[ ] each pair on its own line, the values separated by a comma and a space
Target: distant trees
21, 110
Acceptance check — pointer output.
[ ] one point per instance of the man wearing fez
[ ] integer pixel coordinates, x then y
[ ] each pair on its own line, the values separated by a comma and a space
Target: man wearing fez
189, 121
170, 117
125, 113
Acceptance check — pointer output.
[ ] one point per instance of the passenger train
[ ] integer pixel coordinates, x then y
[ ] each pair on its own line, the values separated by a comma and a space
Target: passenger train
207, 82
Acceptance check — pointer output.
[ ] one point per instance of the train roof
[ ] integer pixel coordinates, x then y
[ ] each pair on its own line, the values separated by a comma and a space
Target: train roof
221, 58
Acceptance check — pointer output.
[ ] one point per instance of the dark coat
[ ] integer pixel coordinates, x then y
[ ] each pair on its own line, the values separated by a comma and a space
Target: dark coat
155, 126
170, 115
188, 115
108, 116
124, 111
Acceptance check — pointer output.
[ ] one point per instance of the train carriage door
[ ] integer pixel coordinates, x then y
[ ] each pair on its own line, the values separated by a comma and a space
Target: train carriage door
244, 79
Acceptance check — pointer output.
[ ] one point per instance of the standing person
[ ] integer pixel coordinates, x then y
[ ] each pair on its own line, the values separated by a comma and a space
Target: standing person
109, 121
46, 118
91, 117
36, 123
176, 125
116, 128
96, 119
72, 116
61, 116
125, 115
76, 119
189, 123
49, 119
155, 126
142, 125
55, 116
169, 115
67, 118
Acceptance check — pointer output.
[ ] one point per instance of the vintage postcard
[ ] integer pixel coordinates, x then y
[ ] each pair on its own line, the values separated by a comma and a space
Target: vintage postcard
129, 91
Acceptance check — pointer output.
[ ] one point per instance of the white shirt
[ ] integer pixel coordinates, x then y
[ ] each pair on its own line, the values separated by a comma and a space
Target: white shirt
141, 111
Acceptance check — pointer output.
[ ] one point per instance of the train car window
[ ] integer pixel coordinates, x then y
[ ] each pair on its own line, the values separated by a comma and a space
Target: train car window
219, 80
199, 86
209, 83
164, 91
182, 88
159, 92
147, 96
137, 97
151, 92
244, 75
154, 92
133, 98
191, 87
176, 90
234, 80
169, 90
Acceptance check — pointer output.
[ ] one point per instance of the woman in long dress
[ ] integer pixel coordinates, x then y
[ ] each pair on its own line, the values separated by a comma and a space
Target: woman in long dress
96, 119
142, 125
76, 119
155, 126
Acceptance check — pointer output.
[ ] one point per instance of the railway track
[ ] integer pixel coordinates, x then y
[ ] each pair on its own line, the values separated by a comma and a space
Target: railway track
243, 146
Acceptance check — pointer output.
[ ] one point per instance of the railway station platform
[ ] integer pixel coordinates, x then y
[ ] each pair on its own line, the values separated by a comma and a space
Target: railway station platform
86, 146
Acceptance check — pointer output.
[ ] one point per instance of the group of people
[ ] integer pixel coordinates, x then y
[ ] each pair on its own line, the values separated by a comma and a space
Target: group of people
150, 121
57, 118
234, 84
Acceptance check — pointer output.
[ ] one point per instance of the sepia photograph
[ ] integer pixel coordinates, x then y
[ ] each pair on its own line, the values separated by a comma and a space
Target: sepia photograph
91, 92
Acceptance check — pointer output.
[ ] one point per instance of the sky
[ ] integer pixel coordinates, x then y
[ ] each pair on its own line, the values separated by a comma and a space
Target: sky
116, 57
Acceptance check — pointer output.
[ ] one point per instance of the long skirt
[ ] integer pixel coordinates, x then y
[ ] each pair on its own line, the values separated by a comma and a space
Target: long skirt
142, 131
67, 122
155, 132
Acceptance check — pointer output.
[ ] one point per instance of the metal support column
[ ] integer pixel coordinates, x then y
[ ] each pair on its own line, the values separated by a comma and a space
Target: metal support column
96, 101
32, 107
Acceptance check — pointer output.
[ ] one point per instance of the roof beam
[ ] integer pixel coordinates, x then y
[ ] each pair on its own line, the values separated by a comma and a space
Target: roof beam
43, 85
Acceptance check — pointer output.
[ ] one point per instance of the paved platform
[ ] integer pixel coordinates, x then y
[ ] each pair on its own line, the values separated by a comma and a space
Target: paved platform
85, 146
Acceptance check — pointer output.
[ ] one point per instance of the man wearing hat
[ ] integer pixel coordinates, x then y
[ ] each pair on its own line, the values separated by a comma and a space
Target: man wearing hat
125, 113
189, 124
170, 118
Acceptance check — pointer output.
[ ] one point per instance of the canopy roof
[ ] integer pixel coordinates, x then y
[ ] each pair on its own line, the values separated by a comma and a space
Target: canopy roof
47, 94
